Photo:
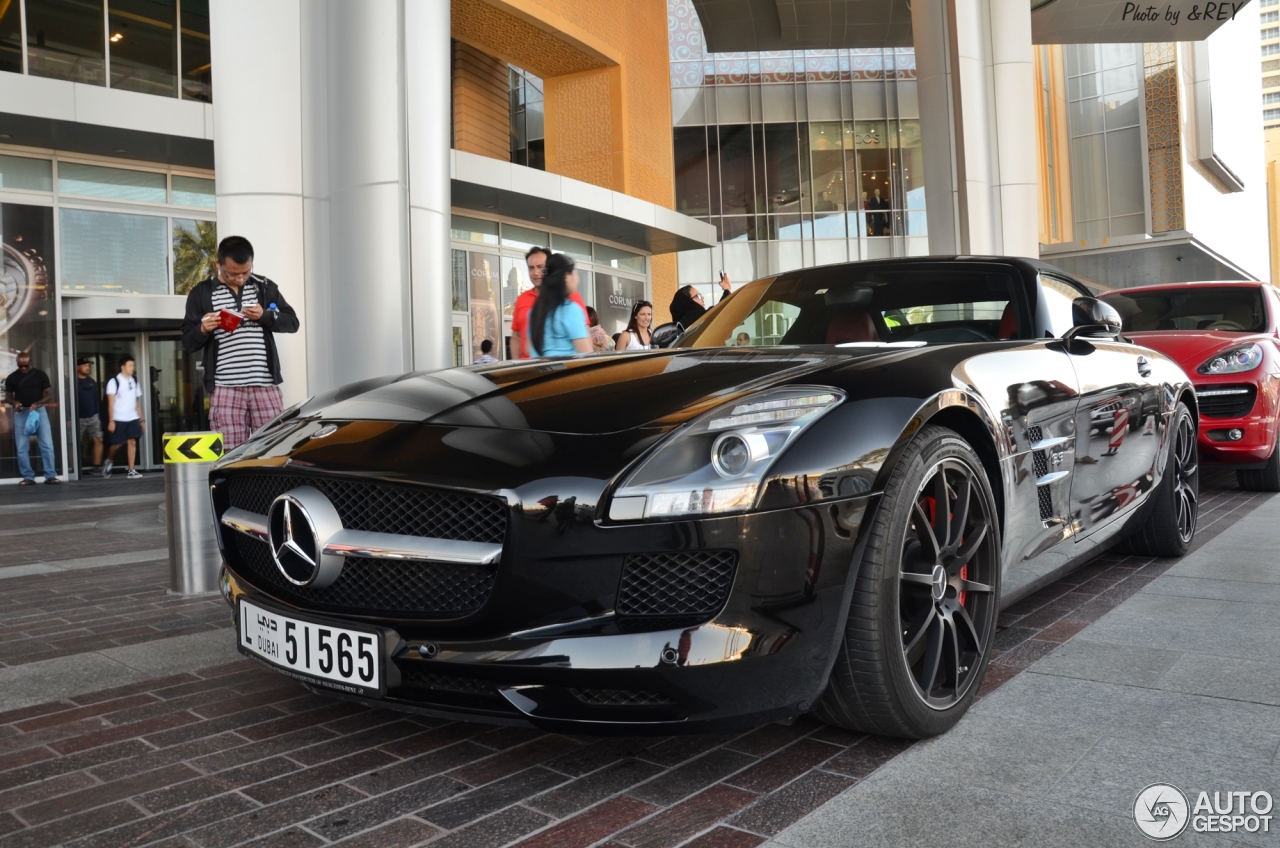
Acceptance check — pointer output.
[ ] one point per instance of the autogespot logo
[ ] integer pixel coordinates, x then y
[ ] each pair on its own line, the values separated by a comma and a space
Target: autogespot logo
1161, 811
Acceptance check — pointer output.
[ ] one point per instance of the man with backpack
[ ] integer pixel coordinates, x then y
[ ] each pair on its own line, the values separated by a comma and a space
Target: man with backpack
231, 317
124, 417
29, 391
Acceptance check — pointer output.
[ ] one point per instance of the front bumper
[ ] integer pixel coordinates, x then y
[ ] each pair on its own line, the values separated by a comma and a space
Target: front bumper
1258, 426
548, 649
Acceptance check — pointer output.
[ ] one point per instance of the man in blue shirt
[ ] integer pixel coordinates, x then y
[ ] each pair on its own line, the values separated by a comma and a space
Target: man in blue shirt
87, 408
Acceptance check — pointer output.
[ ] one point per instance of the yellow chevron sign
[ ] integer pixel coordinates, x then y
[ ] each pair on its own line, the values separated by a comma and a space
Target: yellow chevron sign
192, 447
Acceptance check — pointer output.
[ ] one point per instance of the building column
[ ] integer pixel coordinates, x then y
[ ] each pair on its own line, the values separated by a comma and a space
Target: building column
330, 148
976, 82
258, 154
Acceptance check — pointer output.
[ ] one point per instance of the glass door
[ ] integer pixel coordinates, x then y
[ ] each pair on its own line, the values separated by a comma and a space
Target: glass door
104, 353
173, 399
176, 400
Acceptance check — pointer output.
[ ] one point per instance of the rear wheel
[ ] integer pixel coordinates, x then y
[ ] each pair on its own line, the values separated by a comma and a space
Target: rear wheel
1265, 479
1171, 524
923, 612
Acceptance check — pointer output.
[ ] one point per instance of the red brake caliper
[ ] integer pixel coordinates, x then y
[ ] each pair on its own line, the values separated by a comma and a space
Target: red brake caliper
931, 506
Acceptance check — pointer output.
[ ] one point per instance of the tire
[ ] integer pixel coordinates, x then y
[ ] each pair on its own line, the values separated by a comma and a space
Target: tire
1265, 479
1170, 526
898, 623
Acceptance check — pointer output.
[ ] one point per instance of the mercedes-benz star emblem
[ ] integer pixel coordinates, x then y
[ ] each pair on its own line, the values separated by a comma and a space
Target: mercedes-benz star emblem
293, 540
299, 524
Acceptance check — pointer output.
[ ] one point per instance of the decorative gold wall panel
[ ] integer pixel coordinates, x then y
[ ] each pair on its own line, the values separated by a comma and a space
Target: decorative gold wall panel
1164, 135
481, 103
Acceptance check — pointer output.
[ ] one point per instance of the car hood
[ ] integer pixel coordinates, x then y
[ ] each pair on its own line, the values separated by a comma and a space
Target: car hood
583, 395
1190, 348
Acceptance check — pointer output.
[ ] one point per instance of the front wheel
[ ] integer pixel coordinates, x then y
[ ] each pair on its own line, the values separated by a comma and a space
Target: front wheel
923, 612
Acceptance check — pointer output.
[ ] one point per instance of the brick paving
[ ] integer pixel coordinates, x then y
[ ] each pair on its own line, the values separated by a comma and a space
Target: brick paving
237, 755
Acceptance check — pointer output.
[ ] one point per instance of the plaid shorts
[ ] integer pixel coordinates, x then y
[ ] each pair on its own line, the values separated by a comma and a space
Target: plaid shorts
236, 411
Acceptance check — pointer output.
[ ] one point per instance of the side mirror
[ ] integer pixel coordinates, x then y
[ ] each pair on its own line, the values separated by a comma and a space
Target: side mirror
665, 335
1093, 317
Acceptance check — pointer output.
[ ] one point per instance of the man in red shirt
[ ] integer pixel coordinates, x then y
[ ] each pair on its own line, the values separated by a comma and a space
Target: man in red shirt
536, 261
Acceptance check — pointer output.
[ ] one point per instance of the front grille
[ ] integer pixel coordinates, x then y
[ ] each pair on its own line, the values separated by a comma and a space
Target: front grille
401, 588
382, 507
1238, 402
447, 683
673, 589
621, 698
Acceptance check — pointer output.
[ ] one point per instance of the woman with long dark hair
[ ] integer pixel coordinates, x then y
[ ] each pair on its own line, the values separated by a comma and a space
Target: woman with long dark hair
557, 325
688, 306
637, 335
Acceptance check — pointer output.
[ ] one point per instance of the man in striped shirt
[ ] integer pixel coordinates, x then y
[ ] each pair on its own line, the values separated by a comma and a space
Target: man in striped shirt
232, 317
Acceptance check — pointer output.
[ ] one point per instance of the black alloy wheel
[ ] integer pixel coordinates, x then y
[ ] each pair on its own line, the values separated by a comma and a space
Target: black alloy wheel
948, 558
923, 613
1169, 523
1186, 475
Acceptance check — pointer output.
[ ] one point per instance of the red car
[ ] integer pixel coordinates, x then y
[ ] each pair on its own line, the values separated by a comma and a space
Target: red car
1226, 336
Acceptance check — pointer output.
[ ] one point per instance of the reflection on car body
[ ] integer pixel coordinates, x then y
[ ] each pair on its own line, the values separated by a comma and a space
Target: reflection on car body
927, 441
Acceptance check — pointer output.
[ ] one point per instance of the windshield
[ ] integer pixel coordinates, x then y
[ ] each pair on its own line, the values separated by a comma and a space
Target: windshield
843, 305
1232, 308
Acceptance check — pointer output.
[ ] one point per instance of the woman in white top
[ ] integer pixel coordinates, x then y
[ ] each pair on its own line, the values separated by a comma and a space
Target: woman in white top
637, 335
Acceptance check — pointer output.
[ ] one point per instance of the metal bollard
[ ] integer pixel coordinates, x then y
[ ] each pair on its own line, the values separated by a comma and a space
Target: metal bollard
194, 560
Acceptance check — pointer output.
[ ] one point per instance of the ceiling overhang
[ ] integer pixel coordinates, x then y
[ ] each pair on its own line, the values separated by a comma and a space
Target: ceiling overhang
744, 25
494, 187
1175, 258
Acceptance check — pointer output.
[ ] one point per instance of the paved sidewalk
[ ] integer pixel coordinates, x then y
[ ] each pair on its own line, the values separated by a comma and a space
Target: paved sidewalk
127, 719
1179, 684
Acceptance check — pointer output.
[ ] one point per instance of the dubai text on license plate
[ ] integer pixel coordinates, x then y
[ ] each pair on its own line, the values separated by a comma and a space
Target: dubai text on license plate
348, 660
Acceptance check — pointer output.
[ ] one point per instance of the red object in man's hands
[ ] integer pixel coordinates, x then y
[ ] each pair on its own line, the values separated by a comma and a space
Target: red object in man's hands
229, 319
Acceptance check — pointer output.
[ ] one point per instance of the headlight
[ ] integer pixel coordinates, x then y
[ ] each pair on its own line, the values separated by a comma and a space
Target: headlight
717, 463
1233, 361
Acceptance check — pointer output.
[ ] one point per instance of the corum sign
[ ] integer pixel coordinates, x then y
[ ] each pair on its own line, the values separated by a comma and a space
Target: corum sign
1121, 21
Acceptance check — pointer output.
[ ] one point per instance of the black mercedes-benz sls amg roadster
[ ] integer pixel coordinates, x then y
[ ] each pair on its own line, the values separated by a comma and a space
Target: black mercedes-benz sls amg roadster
707, 536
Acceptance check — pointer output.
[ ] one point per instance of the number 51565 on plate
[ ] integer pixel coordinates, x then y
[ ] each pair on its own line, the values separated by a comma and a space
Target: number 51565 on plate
337, 657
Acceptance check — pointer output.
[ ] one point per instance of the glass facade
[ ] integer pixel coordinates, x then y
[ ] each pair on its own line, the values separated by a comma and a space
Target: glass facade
489, 273
528, 144
122, 230
1104, 123
150, 46
798, 158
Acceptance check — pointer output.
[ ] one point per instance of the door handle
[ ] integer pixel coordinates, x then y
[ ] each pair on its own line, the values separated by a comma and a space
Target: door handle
1144, 367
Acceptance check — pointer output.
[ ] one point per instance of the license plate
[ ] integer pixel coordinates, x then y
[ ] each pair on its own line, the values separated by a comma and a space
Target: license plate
336, 657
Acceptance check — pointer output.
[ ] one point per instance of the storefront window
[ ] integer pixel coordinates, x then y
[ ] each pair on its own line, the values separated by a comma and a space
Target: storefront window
197, 79
515, 279
144, 52
111, 183
614, 298
486, 310
114, 252
473, 230
27, 319
11, 37
620, 259
459, 261
65, 40
29, 174
523, 238
195, 253
579, 250
193, 191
